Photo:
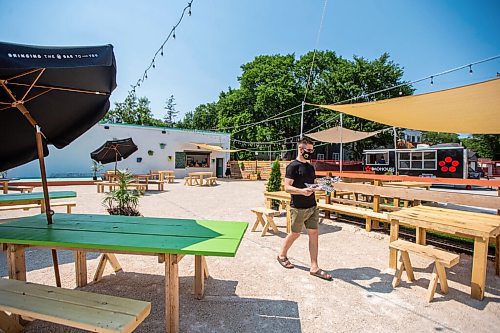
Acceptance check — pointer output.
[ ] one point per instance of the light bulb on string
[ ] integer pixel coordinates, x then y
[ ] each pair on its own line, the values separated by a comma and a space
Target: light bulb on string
154, 65
174, 33
400, 92
470, 69
432, 80
161, 53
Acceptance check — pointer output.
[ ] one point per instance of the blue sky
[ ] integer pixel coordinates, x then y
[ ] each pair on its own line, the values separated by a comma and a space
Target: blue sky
424, 36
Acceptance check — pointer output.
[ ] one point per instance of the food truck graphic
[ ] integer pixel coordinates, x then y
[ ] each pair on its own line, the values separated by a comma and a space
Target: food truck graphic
444, 161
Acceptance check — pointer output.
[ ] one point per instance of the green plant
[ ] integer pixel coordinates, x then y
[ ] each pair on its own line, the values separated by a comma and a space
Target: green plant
242, 166
96, 167
162, 145
150, 152
274, 181
122, 201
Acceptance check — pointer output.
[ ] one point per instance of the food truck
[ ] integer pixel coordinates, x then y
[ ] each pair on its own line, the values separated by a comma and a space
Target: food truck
446, 161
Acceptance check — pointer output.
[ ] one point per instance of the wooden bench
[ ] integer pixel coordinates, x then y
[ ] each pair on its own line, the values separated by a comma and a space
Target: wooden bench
22, 189
269, 222
365, 213
79, 309
69, 205
189, 180
442, 260
101, 185
211, 181
170, 179
160, 183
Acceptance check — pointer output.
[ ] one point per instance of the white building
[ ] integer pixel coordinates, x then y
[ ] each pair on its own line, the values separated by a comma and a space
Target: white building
158, 149
412, 136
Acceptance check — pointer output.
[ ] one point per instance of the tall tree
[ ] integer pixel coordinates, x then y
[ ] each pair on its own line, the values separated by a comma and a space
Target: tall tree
434, 138
133, 110
171, 113
485, 145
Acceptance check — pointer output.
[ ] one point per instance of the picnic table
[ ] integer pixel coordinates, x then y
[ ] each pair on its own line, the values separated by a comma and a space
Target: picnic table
479, 226
201, 174
33, 198
168, 238
409, 184
5, 184
144, 177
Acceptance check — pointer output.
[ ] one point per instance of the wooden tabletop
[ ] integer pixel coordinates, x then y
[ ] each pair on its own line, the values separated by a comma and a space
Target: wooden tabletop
408, 184
127, 233
449, 221
24, 198
201, 173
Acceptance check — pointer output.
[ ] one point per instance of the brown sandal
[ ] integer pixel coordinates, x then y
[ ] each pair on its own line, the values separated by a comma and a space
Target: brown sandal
285, 263
322, 275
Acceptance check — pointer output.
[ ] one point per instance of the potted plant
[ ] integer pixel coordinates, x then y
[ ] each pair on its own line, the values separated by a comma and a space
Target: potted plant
96, 167
162, 145
122, 201
150, 152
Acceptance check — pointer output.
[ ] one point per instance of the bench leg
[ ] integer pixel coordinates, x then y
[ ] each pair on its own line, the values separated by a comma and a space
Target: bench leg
9, 324
399, 273
201, 273
171, 293
432, 285
443, 282
258, 220
409, 269
68, 209
270, 222
81, 268
105, 257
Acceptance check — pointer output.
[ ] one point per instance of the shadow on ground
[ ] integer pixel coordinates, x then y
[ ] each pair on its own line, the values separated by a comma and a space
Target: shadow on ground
220, 311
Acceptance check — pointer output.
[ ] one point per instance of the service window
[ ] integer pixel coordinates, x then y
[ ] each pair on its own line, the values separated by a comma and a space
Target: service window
404, 160
430, 160
377, 158
418, 160
198, 160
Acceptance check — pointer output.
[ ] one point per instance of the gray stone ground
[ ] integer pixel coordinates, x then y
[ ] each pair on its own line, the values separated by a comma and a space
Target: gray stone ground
253, 293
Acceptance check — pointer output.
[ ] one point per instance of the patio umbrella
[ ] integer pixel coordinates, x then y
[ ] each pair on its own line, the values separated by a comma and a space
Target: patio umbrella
50, 95
114, 151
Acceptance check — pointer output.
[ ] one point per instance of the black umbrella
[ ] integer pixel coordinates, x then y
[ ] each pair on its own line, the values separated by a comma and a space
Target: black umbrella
50, 95
114, 151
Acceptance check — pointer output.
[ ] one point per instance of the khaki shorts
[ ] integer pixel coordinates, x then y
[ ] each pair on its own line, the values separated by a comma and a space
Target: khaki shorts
304, 216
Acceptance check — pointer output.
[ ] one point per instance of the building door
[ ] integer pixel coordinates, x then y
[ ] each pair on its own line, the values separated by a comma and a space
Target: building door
220, 167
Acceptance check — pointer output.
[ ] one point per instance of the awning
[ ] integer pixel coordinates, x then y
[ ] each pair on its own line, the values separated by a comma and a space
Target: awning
473, 109
342, 135
214, 148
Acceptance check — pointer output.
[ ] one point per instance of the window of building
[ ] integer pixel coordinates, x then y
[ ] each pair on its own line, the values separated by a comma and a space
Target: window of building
197, 160
321, 156
418, 160
335, 156
377, 158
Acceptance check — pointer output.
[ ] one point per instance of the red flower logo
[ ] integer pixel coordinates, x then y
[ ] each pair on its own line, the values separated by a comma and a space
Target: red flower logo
449, 164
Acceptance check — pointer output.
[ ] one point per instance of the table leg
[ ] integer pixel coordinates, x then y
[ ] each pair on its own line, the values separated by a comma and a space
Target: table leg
479, 264
16, 262
396, 202
328, 200
9, 323
421, 236
147, 184
171, 293
269, 203
201, 273
393, 253
5, 188
81, 268
497, 256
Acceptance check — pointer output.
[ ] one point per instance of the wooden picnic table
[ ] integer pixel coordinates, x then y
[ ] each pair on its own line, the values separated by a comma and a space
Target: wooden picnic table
409, 184
168, 238
145, 177
201, 174
479, 226
5, 184
33, 198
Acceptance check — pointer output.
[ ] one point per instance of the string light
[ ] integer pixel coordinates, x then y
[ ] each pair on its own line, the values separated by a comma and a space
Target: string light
432, 80
470, 69
160, 49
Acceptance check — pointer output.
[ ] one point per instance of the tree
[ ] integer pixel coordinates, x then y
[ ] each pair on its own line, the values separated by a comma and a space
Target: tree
171, 112
274, 181
485, 145
133, 110
434, 138
275, 85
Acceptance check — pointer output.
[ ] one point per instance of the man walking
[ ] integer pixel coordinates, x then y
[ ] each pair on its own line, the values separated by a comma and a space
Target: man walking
303, 211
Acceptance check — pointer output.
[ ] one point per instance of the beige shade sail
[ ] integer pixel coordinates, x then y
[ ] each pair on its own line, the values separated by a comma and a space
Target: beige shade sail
473, 109
214, 148
341, 135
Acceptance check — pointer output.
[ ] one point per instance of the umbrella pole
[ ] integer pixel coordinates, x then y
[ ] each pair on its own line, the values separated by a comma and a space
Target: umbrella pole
48, 211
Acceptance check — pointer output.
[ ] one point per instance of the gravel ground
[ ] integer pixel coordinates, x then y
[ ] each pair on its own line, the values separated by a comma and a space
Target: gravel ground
252, 292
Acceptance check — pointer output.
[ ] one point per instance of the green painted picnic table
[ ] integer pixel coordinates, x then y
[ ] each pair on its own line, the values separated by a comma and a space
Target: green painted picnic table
168, 238
33, 198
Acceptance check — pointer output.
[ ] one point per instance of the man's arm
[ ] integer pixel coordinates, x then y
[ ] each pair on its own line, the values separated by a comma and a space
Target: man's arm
289, 188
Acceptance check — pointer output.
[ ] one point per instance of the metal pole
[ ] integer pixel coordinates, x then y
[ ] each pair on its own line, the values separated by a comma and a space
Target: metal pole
302, 120
48, 211
341, 150
394, 133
